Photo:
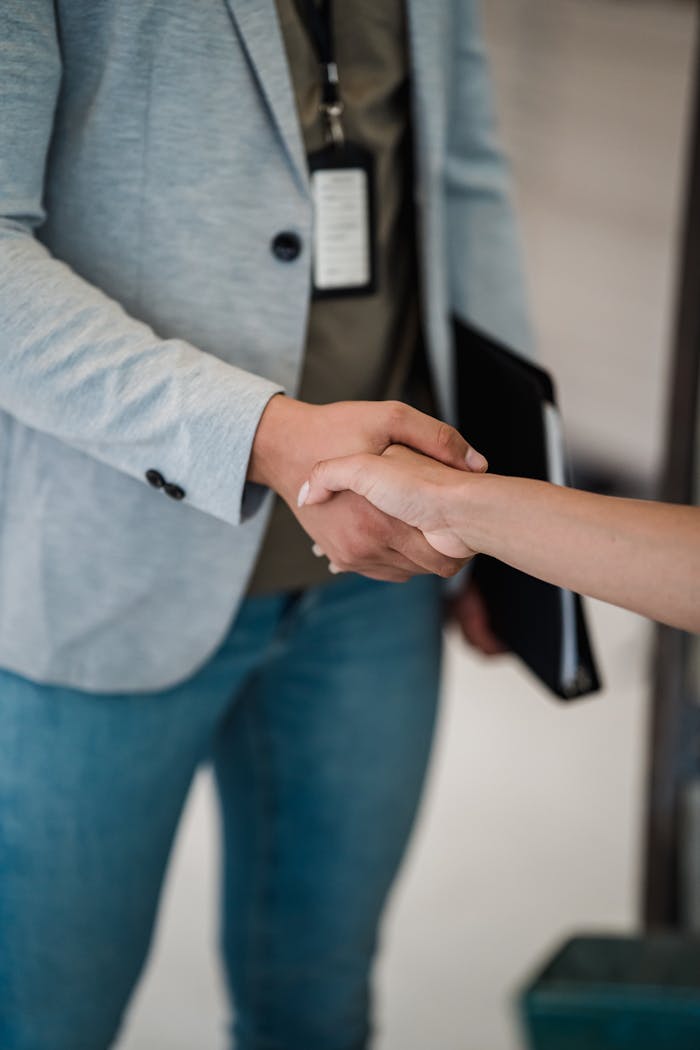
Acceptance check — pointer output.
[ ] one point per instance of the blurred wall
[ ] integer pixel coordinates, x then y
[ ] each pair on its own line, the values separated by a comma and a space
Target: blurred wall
593, 97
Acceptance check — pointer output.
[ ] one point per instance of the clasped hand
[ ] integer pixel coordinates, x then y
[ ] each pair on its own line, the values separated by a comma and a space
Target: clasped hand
354, 534
408, 486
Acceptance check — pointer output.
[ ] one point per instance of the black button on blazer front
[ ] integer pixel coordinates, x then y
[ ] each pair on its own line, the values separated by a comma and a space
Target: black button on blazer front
286, 246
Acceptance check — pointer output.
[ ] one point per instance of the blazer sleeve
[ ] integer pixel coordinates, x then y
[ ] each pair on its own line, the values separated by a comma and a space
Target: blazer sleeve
73, 364
487, 285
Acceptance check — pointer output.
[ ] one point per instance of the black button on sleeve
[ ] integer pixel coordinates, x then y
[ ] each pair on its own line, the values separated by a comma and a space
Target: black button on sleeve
286, 246
174, 491
155, 478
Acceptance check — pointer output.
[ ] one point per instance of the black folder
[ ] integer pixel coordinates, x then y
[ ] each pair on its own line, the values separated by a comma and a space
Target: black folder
507, 410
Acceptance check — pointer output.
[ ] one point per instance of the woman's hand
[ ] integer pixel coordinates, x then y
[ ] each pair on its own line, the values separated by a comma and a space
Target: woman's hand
403, 484
642, 555
425, 494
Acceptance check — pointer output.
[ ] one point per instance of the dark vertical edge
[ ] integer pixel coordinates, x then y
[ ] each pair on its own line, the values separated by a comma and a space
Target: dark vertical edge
669, 743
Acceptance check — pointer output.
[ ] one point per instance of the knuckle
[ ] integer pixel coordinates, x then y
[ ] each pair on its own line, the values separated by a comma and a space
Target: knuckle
449, 569
382, 533
356, 551
376, 531
395, 412
404, 545
447, 438
397, 451
316, 472
343, 555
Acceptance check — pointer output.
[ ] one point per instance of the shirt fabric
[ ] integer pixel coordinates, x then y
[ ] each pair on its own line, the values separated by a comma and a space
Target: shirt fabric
361, 347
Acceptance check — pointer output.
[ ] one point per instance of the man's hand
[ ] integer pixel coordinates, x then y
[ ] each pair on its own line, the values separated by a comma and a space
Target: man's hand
468, 610
356, 537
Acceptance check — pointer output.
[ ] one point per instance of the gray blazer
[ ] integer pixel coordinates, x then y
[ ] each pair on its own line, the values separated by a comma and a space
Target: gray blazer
149, 154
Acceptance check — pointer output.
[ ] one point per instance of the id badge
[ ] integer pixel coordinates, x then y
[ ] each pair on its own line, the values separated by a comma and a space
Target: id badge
342, 189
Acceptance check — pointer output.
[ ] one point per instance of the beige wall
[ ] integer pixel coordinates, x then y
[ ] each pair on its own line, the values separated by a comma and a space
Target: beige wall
593, 98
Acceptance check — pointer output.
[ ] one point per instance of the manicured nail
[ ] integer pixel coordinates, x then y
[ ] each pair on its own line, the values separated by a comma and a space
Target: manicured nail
475, 461
303, 494
317, 550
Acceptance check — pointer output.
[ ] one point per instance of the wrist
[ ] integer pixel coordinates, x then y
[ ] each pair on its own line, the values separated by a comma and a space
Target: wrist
272, 454
474, 510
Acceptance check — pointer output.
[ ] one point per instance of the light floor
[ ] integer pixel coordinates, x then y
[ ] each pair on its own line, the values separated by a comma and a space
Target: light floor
531, 824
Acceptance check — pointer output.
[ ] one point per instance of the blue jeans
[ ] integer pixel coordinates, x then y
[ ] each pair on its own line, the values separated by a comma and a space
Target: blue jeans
317, 713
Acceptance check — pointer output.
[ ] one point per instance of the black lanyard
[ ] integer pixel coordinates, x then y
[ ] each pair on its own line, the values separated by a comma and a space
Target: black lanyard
317, 19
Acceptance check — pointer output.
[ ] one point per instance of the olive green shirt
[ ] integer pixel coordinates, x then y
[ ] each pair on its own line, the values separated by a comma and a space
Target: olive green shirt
361, 347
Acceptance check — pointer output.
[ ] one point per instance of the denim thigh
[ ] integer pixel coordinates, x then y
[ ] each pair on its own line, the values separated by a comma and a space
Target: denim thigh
319, 769
319, 710
91, 790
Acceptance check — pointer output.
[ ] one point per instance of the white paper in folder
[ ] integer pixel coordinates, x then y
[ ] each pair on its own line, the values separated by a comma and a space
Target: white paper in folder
557, 468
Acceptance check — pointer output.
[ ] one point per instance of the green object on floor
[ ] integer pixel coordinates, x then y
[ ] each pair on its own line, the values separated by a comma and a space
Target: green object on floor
617, 993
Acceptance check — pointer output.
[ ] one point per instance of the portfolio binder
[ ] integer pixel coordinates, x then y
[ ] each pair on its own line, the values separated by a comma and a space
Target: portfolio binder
507, 410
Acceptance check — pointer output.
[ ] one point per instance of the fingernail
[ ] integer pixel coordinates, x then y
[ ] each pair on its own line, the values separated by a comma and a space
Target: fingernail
333, 568
475, 461
303, 494
317, 550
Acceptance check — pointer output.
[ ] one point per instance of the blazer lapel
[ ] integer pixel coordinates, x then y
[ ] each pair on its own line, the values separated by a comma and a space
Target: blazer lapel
429, 47
257, 25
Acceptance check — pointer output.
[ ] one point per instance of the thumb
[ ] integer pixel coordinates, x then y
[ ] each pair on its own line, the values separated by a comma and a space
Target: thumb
337, 475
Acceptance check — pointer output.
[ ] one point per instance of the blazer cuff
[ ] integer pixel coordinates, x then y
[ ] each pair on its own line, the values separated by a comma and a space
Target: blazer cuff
207, 463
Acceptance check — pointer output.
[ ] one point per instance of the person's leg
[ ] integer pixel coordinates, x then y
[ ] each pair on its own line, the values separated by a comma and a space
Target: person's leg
91, 788
319, 771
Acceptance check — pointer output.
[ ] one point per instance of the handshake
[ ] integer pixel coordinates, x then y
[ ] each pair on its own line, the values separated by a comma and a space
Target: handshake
388, 492
362, 478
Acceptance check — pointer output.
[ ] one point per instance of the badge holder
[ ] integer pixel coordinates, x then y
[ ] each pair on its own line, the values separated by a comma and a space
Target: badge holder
342, 184
344, 253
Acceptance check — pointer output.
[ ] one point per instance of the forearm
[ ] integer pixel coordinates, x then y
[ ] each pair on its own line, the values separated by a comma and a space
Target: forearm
640, 555
77, 367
